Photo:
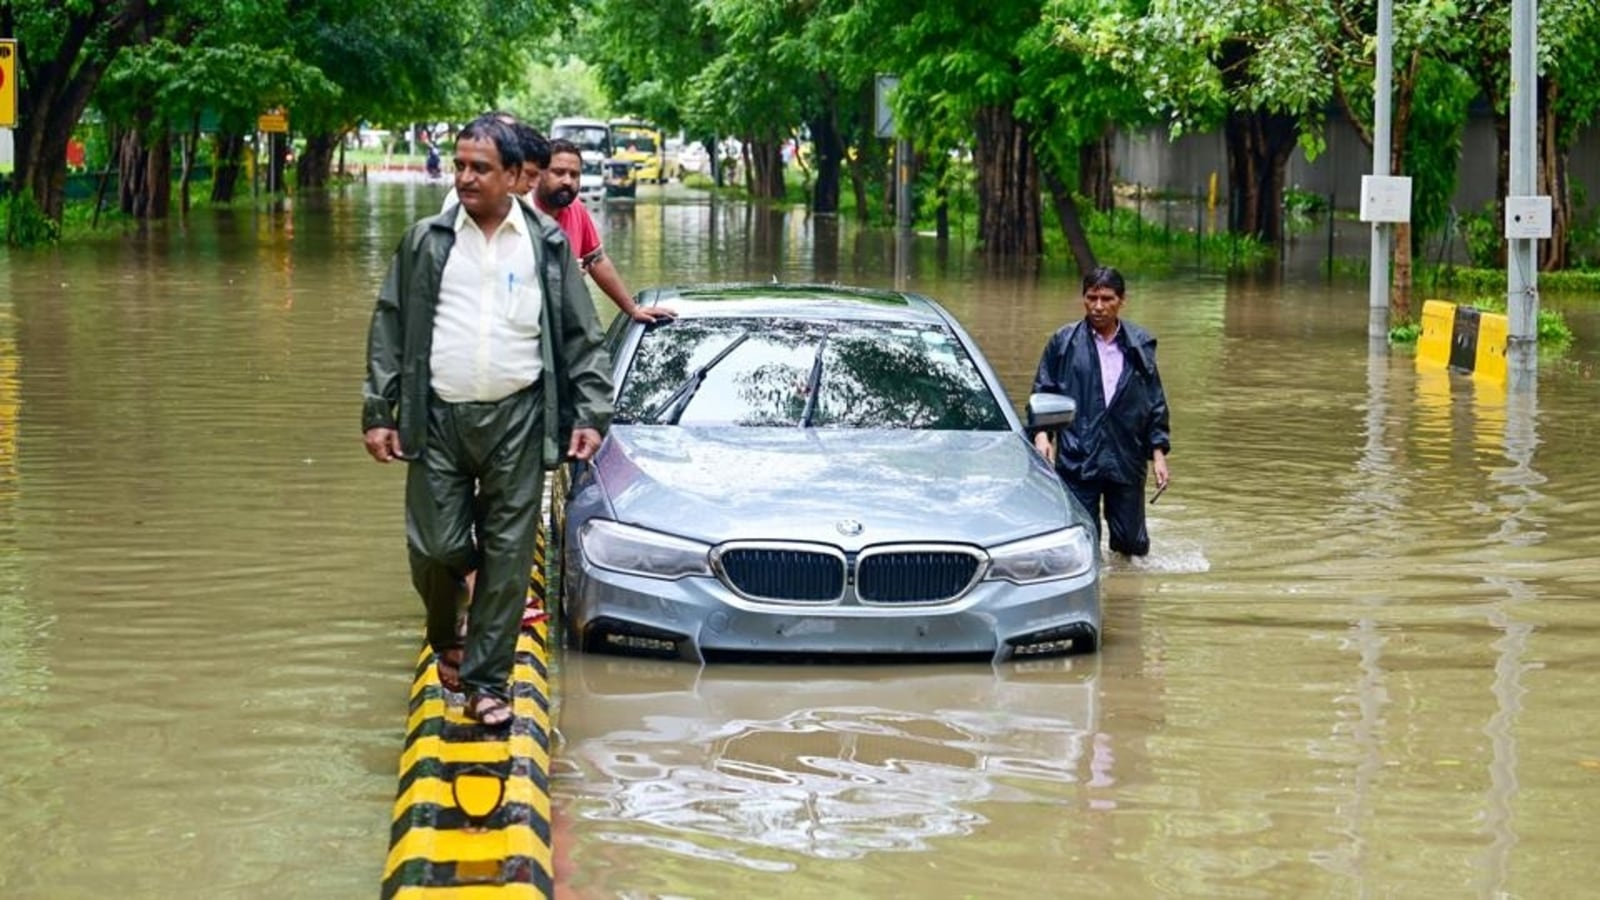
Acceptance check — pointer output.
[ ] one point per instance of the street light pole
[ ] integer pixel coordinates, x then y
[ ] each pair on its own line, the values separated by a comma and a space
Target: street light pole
1522, 256
1382, 117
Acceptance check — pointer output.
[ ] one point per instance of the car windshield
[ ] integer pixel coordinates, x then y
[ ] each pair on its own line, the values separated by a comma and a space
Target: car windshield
864, 374
587, 137
640, 141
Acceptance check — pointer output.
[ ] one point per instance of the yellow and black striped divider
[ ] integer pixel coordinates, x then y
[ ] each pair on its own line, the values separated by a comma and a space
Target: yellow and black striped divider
1465, 338
472, 816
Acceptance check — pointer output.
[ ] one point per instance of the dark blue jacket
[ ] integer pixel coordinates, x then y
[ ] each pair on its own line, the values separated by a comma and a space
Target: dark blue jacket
1109, 444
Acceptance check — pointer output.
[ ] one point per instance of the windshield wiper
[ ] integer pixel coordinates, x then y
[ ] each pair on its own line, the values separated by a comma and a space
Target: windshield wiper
679, 399
813, 384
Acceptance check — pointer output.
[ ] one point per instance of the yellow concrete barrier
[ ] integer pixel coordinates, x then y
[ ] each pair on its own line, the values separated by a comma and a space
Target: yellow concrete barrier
1464, 338
472, 814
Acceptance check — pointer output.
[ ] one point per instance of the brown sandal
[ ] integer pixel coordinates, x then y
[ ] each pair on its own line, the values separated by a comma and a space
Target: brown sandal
487, 709
448, 663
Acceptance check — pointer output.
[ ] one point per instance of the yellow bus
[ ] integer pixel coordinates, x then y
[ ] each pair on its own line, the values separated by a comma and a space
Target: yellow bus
638, 142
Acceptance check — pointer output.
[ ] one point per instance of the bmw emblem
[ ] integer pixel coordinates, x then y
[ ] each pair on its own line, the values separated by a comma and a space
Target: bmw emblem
848, 527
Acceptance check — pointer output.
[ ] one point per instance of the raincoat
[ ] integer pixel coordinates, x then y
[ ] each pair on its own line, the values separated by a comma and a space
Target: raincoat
1104, 443
576, 382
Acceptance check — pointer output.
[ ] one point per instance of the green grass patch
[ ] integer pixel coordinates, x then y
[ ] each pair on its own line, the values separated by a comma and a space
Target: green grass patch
1474, 280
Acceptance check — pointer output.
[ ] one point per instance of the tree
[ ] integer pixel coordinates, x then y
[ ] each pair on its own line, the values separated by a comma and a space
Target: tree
63, 52
960, 83
1568, 96
1254, 68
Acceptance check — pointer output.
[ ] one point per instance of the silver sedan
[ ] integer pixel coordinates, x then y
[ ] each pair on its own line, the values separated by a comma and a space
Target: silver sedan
807, 472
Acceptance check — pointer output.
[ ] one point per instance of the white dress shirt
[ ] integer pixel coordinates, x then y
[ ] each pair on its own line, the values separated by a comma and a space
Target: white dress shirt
486, 326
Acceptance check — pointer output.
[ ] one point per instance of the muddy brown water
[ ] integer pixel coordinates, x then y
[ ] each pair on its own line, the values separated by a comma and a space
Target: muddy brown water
1359, 661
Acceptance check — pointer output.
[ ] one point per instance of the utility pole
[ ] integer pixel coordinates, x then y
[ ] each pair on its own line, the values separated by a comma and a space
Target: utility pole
1527, 216
1382, 131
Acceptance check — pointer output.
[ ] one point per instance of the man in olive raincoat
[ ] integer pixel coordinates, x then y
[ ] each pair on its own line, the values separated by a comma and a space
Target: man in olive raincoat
484, 363
1107, 365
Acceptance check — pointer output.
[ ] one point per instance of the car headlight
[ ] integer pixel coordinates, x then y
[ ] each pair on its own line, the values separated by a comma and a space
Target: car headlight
1059, 554
640, 551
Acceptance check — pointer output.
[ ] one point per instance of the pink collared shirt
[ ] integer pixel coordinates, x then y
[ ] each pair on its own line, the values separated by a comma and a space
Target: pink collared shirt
1110, 362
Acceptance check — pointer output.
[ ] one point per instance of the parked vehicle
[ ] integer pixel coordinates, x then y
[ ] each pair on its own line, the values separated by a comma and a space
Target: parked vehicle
591, 135
619, 180
692, 159
592, 177
812, 471
639, 143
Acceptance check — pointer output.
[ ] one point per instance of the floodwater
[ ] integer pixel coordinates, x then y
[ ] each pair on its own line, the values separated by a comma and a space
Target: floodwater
1359, 662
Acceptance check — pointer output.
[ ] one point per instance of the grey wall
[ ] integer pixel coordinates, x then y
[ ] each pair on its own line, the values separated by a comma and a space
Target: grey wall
1185, 166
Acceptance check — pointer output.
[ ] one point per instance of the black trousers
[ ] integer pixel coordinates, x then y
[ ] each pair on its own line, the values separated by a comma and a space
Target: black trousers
472, 502
1123, 511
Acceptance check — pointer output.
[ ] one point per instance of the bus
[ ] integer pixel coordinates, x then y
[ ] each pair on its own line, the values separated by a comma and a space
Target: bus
638, 142
591, 135
593, 138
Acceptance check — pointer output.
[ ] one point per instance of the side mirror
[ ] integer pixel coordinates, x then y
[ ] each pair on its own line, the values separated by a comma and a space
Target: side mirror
1050, 411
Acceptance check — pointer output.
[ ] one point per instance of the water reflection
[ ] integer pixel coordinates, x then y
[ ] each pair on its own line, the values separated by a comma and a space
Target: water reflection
761, 766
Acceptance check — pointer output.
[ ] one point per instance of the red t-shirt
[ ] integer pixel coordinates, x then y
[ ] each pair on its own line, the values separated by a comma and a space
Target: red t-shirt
578, 225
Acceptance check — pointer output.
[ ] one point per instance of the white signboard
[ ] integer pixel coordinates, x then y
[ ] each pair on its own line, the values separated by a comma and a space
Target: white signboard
884, 117
1385, 198
1528, 217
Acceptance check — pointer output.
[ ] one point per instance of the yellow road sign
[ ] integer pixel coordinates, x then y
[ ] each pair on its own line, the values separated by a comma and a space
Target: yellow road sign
8, 83
273, 120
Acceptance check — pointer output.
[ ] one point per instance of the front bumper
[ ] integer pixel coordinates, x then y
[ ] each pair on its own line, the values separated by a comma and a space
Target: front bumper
699, 616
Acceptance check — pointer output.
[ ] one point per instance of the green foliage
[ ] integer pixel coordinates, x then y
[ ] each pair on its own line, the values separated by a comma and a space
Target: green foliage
1484, 280
236, 82
548, 92
1481, 232
25, 224
1405, 332
1433, 144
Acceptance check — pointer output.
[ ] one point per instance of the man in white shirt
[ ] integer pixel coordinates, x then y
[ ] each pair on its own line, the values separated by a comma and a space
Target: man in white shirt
484, 358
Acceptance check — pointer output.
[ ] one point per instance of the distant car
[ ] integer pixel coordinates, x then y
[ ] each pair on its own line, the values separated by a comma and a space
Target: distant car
591, 178
692, 159
811, 471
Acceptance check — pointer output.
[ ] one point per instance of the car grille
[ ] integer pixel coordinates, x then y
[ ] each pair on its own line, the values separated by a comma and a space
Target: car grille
796, 576
923, 575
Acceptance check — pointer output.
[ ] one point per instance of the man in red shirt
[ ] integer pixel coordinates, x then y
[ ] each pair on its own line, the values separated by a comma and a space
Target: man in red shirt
556, 196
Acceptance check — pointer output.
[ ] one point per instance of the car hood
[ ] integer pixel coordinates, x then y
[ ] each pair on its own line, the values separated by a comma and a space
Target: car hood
724, 483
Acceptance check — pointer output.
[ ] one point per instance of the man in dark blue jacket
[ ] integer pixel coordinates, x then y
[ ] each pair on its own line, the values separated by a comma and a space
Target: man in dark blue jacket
1108, 367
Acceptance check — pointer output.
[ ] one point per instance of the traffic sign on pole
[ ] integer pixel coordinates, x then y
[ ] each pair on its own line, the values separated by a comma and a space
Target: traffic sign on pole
8, 83
273, 121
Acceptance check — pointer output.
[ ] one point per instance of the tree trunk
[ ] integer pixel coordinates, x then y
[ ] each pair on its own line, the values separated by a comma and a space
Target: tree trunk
1008, 186
829, 150
1071, 225
226, 166
1553, 181
191, 147
1095, 165
1259, 145
316, 161
1502, 180
764, 158
144, 183
858, 187
158, 174
132, 162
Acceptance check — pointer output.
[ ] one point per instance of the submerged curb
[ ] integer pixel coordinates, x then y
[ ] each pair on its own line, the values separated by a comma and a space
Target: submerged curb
472, 813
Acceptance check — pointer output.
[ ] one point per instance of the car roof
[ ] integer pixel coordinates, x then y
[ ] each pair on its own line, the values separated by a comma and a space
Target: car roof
828, 301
